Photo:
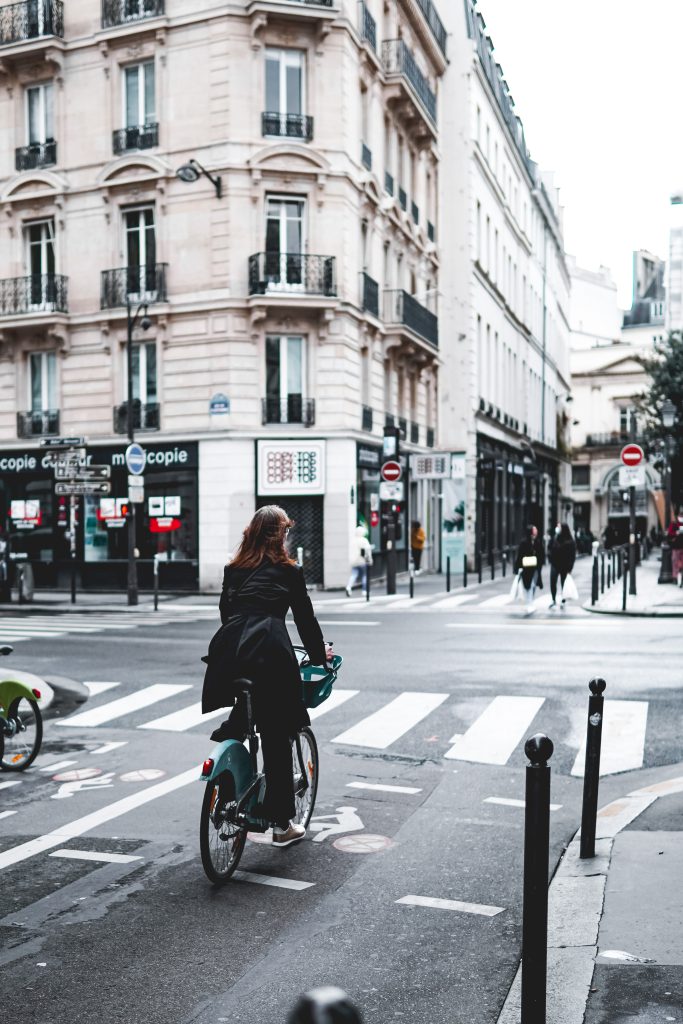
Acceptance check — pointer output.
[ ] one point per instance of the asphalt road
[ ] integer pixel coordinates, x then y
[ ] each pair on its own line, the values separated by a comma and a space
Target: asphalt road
149, 939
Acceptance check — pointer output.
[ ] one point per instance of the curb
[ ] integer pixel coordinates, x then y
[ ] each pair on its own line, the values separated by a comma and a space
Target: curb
635, 615
78, 691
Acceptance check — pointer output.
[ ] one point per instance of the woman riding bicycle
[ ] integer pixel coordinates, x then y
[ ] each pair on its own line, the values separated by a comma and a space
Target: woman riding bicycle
259, 586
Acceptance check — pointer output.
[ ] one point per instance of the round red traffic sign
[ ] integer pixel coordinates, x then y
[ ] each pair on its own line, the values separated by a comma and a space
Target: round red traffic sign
391, 471
632, 455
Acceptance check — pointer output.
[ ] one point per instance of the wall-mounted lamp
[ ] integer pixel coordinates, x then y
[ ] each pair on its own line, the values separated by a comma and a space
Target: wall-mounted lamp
192, 171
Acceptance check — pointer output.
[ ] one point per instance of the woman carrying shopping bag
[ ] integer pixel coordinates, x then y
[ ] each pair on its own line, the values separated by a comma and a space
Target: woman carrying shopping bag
561, 555
530, 561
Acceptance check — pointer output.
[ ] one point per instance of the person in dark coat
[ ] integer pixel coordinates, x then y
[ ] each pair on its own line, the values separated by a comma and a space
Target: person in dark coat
561, 555
530, 561
260, 585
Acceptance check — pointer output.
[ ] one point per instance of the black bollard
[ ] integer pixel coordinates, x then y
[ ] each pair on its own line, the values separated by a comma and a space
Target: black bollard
479, 566
591, 774
594, 581
492, 563
602, 573
448, 574
535, 910
464, 570
367, 582
327, 1005
411, 578
504, 558
609, 573
624, 579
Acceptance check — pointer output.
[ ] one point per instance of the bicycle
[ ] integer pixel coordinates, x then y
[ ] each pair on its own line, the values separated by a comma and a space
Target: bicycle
235, 788
21, 723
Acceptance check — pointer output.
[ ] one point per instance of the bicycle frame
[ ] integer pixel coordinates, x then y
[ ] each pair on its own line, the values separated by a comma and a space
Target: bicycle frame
10, 690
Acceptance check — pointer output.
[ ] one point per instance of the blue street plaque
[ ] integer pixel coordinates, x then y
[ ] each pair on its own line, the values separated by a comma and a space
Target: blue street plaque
135, 459
219, 405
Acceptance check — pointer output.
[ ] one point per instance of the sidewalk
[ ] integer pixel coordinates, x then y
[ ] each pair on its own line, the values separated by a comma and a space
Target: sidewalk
664, 599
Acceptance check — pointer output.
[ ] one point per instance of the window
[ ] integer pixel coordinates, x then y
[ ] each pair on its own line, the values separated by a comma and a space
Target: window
285, 377
140, 248
285, 81
43, 381
39, 114
40, 260
144, 358
628, 422
581, 476
139, 95
285, 242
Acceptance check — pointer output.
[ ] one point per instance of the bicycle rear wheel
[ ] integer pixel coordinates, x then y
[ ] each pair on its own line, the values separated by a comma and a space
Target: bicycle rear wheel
221, 840
306, 782
24, 735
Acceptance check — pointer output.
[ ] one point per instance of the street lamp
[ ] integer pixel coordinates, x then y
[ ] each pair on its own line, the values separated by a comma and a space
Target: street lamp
145, 323
192, 171
668, 420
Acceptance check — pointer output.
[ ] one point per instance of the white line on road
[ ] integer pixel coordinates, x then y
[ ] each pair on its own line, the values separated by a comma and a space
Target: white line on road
280, 883
7, 814
385, 726
497, 731
455, 601
107, 747
382, 789
335, 700
124, 705
97, 688
347, 622
107, 858
186, 718
505, 801
435, 903
12, 782
623, 738
524, 623
56, 766
410, 602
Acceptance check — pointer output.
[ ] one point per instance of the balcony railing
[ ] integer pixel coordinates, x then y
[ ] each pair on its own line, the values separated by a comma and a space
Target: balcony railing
31, 20
414, 433
397, 58
36, 154
134, 284
402, 308
122, 12
291, 273
38, 293
402, 198
289, 126
368, 27
145, 416
370, 295
315, 3
137, 136
614, 438
293, 409
38, 424
415, 212
434, 22
366, 422
388, 183
366, 156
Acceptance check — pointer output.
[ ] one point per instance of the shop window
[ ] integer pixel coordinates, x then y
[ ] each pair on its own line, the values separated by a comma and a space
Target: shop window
285, 380
43, 381
581, 476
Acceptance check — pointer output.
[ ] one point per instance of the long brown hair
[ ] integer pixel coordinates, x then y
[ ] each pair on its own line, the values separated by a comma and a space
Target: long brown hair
264, 538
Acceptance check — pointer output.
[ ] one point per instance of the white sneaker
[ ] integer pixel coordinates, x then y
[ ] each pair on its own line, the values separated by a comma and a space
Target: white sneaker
348, 591
552, 604
286, 836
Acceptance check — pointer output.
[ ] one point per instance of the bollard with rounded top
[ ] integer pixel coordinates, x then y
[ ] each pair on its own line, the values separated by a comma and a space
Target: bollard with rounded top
328, 1005
538, 749
591, 774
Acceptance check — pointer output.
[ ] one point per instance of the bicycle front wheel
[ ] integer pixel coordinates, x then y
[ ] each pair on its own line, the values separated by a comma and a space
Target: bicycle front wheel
23, 735
221, 840
306, 780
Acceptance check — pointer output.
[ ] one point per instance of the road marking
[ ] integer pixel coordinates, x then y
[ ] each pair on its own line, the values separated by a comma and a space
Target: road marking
57, 766
108, 858
80, 826
381, 788
496, 602
455, 601
12, 782
497, 731
7, 814
280, 883
124, 705
623, 738
365, 843
665, 788
523, 623
505, 801
97, 688
439, 904
385, 726
347, 622
335, 700
142, 775
186, 718
107, 747
410, 602
78, 774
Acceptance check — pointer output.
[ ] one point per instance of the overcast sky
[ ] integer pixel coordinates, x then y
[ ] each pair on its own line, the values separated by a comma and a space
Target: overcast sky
598, 85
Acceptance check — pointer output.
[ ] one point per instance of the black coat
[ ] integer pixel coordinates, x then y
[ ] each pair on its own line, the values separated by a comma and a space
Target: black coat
253, 642
562, 555
526, 549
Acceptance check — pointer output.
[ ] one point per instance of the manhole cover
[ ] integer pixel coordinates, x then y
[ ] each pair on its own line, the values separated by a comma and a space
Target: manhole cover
365, 843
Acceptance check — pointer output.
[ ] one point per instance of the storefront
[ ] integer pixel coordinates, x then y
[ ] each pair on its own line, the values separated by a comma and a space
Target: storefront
368, 462
37, 519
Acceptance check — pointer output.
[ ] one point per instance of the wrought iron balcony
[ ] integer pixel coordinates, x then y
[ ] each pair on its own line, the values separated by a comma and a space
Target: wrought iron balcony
366, 422
122, 12
388, 183
138, 136
38, 293
434, 22
290, 126
293, 409
415, 212
146, 416
614, 439
402, 308
366, 156
38, 424
370, 294
368, 27
397, 58
31, 20
36, 154
414, 433
402, 198
134, 284
291, 273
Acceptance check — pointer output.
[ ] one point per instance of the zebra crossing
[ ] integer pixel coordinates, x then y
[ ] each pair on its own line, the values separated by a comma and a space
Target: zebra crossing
15, 628
494, 729
470, 601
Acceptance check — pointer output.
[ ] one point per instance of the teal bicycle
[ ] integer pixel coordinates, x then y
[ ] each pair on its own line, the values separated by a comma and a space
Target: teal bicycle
236, 788
21, 723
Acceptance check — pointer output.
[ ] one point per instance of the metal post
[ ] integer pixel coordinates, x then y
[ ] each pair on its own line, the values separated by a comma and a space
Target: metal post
367, 581
602, 572
504, 557
609, 573
391, 554
632, 540
325, 1006
624, 578
156, 582
535, 910
411, 577
72, 543
448, 574
464, 570
479, 566
594, 580
591, 774
132, 564
492, 562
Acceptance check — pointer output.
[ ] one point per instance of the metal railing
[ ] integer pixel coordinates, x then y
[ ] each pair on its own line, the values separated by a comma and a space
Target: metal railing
138, 136
146, 416
613, 438
370, 294
367, 417
366, 156
137, 284
38, 293
121, 12
388, 183
368, 26
293, 409
36, 154
290, 126
397, 58
284, 272
434, 22
402, 308
31, 20
314, 3
38, 424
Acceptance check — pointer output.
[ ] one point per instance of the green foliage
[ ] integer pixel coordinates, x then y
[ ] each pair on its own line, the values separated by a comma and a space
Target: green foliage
665, 369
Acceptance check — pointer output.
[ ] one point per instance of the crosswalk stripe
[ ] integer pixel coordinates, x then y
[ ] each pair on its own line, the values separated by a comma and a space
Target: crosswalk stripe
56, 766
97, 688
280, 883
411, 602
385, 726
455, 601
497, 731
496, 602
106, 858
623, 738
123, 706
335, 700
186, 718
7, 814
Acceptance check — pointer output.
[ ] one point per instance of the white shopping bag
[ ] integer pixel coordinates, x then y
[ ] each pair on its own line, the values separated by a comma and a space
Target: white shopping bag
569, 591
515, 588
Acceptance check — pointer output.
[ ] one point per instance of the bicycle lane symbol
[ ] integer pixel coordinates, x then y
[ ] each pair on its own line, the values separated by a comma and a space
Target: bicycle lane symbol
344, 820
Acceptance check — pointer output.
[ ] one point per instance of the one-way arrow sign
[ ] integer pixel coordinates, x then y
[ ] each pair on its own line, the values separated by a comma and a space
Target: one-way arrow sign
87, 487
81, 474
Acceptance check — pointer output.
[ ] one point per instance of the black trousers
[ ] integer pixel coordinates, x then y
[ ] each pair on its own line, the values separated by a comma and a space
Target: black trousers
417, 557
555, 574
276, 745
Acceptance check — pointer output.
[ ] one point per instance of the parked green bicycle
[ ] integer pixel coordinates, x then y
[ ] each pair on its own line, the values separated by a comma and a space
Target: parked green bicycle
235, 788
21, 723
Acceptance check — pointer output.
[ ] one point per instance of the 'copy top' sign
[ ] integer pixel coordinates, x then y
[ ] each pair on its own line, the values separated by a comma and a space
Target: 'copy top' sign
632, 455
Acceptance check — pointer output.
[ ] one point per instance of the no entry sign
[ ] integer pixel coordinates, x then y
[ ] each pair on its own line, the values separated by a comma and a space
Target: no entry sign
632, 455
391, 471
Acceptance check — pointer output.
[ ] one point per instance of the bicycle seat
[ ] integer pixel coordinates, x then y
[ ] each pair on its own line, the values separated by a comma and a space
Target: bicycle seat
245, 685
6, 650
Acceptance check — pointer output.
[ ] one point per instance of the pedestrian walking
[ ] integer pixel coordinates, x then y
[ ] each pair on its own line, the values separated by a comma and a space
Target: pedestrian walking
361, 560
530, 561
417, 543
561, 555
676, 541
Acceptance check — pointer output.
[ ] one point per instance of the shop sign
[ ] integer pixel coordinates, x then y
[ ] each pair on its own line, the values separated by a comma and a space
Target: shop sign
159, 457
436, 466
368, 457
219, 405
112, 508
454, 506
25, 515
168, 506
163, 524
291, 467
515, 468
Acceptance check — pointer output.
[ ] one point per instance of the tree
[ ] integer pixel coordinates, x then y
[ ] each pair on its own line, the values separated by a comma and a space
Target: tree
665, 369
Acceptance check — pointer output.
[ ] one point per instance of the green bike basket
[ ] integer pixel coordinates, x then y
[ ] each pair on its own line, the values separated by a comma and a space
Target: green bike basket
317, 681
